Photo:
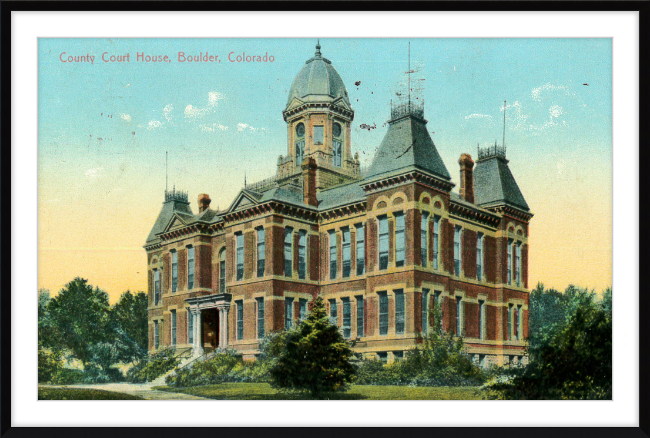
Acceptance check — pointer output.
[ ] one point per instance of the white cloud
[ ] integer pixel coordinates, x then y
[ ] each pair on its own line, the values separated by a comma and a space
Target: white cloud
536, 93
478, 116
517, 120
154, 124
214, 97
246, 127
126, 117
555, 111
213, 128
192, 112
167, 112
94, 174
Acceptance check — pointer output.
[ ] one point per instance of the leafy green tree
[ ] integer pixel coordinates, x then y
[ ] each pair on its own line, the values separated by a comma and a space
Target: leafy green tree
129, 326
80, 314
48, 335
315, 358
576, 362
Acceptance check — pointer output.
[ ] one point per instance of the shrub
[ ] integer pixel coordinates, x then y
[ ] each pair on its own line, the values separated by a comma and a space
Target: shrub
67, 376
49, 362
441, 361
314, 356
153, 366
224, 367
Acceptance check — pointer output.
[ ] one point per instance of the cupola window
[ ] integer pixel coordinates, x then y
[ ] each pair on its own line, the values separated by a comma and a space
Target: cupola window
318, 135
300, 143
336, 144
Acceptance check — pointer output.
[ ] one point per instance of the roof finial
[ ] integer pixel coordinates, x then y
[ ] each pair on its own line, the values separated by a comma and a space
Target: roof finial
318, 54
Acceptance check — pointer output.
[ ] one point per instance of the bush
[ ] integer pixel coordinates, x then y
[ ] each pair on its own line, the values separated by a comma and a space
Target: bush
95, 374
48, 364
224, 367
67, 376
153, 366
441, 361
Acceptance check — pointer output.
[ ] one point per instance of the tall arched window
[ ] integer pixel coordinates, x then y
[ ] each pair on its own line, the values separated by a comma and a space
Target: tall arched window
222, 271
300, 143
337, 143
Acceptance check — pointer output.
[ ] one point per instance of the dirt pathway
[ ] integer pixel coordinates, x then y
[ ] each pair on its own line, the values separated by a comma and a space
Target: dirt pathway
143, 390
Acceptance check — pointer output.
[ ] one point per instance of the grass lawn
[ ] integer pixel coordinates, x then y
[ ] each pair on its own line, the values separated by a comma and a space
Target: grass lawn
263, 391
82, 394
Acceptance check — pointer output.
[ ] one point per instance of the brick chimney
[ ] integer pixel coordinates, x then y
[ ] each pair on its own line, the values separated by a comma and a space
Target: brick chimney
204, 202
309, 181
466, 177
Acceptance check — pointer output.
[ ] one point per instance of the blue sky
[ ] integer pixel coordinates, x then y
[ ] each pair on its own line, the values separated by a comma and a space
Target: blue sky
221, 120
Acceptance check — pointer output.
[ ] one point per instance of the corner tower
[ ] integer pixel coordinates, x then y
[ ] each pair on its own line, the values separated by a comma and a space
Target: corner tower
319, 118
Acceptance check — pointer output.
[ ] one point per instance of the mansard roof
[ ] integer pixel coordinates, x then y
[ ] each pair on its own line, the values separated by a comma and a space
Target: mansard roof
171, 208
495, 185
340, 195
407, 145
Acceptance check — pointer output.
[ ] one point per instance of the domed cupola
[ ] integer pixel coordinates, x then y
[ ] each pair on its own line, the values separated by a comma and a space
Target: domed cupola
319, 117
318, 81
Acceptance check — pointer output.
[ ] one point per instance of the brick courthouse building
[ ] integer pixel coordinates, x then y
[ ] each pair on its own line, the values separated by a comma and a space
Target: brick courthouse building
382, 248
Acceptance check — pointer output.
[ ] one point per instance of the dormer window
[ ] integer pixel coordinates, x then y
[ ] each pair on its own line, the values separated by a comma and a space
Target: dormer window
318, 135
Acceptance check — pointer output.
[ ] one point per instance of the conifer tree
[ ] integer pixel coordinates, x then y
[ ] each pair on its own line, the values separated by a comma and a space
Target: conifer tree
316, 357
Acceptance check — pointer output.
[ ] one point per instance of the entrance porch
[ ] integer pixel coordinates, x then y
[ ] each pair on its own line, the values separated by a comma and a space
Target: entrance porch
210, 316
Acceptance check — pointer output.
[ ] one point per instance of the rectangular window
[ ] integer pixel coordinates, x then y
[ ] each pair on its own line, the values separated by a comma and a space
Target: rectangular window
479, 257
333, 312
261, 252
190, 327
288, 313
222, 272
156, 335
336, 153
190, 267
399, 239
398, 355
459, 316
240, 319
425, 311
347, 318
481, 319
303, 309
520, 323
383, 356
436, 238
518, 263
318, 135
260, 317
510, 315
156, 287
360, 309
332, 255
399, 312
345, 249
424, 238
240, 256
361, 250
383, 313
300, 151
383, 242
174, 271
436, 298
509, 261
302, 254
457, 250
288, 253
173, 327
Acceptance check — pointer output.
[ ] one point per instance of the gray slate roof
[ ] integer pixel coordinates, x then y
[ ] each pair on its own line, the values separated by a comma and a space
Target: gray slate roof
318, 79
168, 210
494, 184
407, 145
341, 195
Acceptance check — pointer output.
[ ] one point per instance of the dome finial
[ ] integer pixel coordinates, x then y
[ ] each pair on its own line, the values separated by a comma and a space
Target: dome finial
318, 54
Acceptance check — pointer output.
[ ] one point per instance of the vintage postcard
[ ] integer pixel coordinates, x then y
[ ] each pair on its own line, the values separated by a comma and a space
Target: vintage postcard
351, 219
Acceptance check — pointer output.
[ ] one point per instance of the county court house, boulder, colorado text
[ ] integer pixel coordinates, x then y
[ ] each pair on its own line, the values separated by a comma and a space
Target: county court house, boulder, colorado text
383, 247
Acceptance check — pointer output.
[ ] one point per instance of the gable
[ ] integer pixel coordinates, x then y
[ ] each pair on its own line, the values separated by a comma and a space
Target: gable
243, 200
295, 102
175, 223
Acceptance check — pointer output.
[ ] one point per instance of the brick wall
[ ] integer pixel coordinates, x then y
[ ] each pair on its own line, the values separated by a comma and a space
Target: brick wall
524, 265
410, 240
469, 253
182, 269
250, 267
314, 257
203, 266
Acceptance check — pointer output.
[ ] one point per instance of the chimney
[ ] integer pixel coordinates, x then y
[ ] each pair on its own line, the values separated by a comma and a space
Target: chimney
309, 181
204, 202
466, 177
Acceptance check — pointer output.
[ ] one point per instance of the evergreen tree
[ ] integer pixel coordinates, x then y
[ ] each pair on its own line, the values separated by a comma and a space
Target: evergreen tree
315, 357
